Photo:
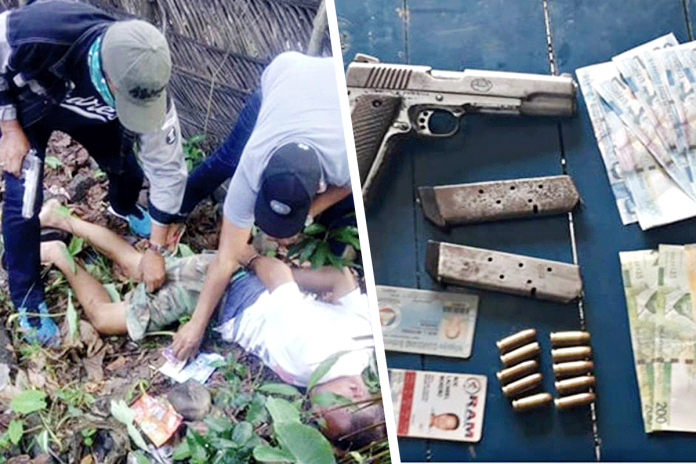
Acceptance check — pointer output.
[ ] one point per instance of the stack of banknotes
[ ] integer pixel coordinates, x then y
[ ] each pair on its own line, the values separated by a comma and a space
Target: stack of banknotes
643, 110
660, 288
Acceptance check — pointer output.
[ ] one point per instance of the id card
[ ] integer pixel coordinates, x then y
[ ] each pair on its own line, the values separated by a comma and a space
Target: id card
438, 405
427, 322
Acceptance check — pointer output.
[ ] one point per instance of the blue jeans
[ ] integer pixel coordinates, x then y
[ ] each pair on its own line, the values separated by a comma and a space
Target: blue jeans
22, 257
223, 162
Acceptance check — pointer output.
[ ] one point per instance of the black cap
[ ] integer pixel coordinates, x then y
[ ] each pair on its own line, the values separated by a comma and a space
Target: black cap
288, 187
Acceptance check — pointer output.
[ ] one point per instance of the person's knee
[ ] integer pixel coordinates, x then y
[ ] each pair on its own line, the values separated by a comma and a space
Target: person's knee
107, 319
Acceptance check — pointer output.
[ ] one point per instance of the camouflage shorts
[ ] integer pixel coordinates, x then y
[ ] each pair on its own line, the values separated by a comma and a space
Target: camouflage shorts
178, 296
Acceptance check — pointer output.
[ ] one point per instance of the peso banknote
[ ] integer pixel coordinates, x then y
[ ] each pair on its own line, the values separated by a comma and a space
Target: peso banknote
640, 271
622, 194
634, 71
640, 185
642, 123
673, 69
674, 360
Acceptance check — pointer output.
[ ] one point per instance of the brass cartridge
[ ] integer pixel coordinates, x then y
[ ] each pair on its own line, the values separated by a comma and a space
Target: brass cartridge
571, 353
569, 338
516, 340
532, 402
572, 368
520, 386
515, 372
521, 354
575, 384
573, 401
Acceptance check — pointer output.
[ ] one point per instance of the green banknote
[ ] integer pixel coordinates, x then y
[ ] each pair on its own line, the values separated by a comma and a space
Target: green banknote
639, 270
674, 382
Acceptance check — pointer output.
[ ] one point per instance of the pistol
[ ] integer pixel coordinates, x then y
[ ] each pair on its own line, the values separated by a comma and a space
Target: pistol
387, 100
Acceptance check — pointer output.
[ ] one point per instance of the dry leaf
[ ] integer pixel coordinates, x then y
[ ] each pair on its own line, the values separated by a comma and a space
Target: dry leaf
90, 337
37, 379
117, 364
93, 366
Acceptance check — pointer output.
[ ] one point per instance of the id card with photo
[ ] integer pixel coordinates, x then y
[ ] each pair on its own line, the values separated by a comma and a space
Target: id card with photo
427, 322
438, 405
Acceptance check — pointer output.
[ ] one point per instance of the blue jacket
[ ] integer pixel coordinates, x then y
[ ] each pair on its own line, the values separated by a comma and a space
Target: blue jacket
44, 40
41, 46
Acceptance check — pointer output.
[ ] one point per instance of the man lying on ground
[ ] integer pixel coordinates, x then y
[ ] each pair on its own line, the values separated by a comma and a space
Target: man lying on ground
262, 309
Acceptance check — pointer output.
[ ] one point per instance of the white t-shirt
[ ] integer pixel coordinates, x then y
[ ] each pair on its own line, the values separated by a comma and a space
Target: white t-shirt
299, 103
293, 333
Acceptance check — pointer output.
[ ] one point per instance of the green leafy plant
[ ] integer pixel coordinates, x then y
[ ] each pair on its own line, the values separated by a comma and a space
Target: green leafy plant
193, 153
314, 246
53, 162
88, 435
23, 405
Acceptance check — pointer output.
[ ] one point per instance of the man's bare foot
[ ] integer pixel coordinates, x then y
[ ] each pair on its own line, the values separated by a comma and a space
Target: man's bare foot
51, 215
54, 253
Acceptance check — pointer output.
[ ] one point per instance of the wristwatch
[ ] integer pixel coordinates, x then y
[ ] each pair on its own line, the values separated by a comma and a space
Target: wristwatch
157, 248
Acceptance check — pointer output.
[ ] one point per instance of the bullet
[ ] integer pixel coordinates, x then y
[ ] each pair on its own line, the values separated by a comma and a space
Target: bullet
575, 384
573, 401
531, 402
570, 338
521, 354
516, 340
515, 372
571, 353
573, 368
520, 386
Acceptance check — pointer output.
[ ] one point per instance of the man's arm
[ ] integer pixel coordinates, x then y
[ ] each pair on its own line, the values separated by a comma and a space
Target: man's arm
162, 157
330, 197
272, 272
231, 251
152, 263
339, 282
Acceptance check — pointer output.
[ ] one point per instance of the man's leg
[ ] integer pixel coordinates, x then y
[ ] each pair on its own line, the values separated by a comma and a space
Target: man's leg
116, 157
107, 317
22, 255
103, 239
222, 163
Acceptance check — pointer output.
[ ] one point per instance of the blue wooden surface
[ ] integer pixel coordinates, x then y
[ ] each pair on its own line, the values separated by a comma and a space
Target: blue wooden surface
511, 36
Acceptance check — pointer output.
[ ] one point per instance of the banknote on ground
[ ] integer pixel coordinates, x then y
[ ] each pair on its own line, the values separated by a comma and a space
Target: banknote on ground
427, 322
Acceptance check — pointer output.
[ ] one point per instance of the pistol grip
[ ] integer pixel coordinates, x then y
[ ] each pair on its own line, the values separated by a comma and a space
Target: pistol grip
372, 116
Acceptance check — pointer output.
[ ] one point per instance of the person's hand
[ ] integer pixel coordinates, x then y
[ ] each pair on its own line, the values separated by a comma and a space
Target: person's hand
152, 270
13, 146
187, 340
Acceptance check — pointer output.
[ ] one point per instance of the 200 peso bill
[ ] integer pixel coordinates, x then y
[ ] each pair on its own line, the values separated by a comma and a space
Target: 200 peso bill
427, 322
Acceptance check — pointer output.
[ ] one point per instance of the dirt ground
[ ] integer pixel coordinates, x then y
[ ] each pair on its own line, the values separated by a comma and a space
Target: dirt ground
96, 368
83, 376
